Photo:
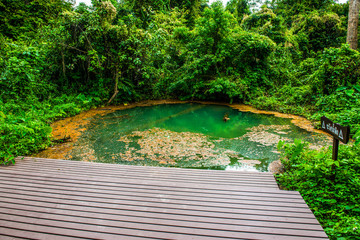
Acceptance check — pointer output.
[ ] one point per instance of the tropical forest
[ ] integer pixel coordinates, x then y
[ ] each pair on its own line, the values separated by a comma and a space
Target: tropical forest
59, 59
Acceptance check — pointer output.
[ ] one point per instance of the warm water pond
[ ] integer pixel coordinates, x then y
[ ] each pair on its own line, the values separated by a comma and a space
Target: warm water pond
187, 135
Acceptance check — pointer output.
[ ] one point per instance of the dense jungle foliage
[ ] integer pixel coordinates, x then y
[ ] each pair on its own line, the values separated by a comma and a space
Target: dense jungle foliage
330, 188
57, 60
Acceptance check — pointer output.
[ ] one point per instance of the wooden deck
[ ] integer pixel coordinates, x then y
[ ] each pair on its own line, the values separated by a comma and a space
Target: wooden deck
60, 199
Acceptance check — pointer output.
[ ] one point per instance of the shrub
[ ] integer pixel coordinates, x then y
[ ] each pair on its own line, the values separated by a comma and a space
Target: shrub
334, 68
329, 187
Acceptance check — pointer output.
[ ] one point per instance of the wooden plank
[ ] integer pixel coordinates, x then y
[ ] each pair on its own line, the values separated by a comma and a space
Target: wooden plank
101, 232
121, 209
174, 176
107, 166
195, 228
115, 194
123, 169
56, 231
113, 181
271, 211
120, 167
244, 182
3, 237
90, 187
151, 217
46, 198
155, 199
7, 231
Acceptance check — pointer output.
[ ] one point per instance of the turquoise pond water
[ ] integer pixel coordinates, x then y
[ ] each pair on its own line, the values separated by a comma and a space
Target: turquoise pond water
189, 136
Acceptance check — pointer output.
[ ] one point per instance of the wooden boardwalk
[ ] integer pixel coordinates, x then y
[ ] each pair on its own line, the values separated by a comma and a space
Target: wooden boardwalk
60, 199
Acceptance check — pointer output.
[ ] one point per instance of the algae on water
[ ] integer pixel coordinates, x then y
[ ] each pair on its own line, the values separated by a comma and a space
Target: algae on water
187, 135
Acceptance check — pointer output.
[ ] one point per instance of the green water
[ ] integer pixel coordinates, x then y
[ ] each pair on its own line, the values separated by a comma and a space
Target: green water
187, 135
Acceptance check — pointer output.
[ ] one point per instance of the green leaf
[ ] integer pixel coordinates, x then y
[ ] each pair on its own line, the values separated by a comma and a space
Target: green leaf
280, 145
349, 92
357, 87
2, 115
341, 89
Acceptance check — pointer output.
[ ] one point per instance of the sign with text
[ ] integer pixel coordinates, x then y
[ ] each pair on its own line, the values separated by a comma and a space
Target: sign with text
337, 131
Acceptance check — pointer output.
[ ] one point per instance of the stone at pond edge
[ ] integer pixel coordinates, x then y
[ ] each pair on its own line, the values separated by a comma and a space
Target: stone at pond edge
276, 167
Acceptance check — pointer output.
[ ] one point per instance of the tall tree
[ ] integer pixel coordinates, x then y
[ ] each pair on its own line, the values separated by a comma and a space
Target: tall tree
239, 8
289, 8
353, 23
145, 9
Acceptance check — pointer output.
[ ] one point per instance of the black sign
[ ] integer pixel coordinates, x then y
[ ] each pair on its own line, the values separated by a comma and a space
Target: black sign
339, 132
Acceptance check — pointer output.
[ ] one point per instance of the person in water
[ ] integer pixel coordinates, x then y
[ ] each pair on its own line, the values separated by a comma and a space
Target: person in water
226, 117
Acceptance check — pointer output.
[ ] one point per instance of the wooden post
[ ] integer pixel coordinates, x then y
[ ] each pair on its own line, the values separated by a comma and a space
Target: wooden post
335, 149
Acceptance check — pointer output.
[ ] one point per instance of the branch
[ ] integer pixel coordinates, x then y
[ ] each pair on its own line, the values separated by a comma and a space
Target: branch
62, 44
116, 91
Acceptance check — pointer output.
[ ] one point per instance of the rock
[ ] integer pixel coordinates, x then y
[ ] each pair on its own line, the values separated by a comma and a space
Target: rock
276, 167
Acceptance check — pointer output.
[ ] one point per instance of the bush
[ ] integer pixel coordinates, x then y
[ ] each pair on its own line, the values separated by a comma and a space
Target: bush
330, 188
221, 60
334, 68
265, 22
24, 126
24, 72
316, 31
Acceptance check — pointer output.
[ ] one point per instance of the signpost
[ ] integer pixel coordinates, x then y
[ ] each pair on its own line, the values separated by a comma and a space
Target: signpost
339, 133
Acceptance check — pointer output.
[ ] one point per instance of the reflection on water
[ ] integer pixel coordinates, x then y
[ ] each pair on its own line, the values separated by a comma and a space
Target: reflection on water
187, 135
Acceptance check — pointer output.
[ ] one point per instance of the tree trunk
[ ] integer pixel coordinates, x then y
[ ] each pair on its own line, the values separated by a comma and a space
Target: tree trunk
116, 91
352, 33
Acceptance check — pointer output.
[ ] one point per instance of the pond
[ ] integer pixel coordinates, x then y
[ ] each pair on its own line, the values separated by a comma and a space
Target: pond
190, 135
